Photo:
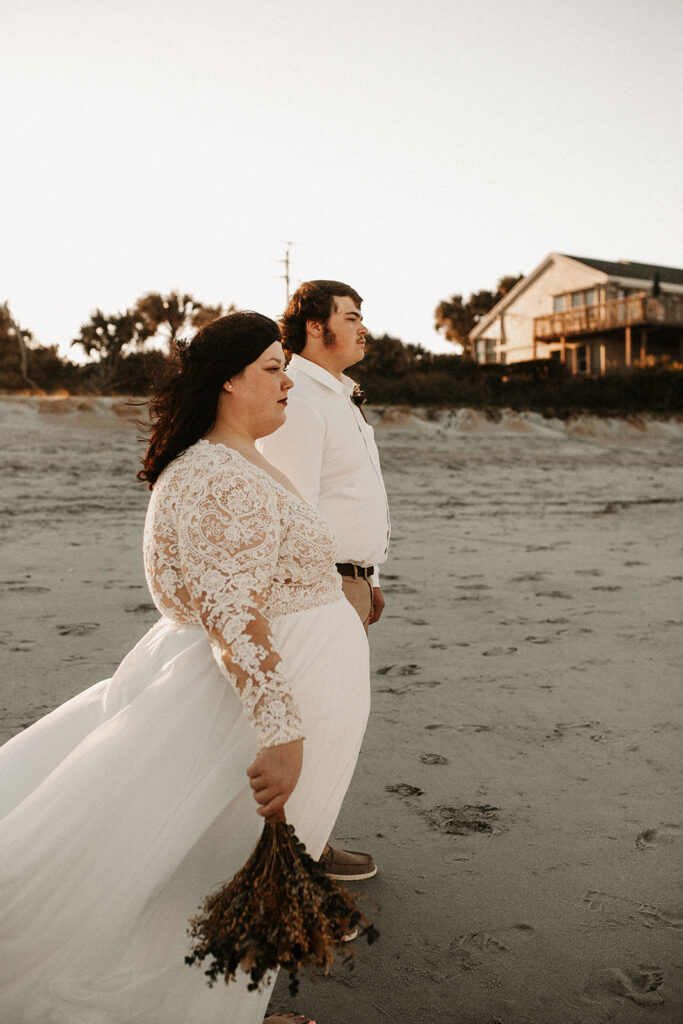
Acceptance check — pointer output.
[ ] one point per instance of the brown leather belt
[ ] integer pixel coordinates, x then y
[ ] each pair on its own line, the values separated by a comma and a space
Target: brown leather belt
363, 572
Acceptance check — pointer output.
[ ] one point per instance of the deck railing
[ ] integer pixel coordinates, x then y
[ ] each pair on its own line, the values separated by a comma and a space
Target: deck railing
625, 312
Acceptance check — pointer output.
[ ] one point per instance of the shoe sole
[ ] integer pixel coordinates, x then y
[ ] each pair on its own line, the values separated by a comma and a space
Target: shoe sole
352, 878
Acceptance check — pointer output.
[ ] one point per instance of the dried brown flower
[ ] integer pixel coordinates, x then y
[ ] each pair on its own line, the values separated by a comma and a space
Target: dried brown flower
280, 910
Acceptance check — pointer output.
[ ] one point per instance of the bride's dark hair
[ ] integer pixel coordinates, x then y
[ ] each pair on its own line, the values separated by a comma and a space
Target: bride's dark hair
183, 407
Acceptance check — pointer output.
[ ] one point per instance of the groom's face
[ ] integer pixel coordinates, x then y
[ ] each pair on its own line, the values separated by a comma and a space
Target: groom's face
345, 333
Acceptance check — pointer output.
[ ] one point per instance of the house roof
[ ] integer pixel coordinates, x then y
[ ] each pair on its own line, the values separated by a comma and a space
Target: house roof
638, 271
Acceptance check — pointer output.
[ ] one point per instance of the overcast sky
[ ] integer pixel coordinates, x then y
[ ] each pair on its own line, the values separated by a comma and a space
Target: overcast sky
414, 148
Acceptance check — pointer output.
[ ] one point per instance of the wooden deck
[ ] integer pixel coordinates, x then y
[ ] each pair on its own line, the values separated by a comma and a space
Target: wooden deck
632, 310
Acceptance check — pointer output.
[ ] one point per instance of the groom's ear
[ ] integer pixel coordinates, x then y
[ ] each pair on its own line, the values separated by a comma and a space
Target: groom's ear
314, 328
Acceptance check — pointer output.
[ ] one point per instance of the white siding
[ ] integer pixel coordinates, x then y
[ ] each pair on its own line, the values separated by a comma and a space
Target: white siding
513, 329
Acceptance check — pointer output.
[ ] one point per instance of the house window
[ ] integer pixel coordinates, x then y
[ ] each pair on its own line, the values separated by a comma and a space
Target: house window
558, 304
586, 298
490, 356
582, 359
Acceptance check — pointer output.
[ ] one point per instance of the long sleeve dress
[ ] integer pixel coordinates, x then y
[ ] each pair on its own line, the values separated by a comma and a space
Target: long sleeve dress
124, 807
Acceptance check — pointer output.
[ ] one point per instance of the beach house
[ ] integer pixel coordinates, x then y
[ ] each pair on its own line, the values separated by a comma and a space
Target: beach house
592, 315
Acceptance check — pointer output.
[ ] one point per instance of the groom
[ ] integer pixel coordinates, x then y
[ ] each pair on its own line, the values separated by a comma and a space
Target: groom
327, 449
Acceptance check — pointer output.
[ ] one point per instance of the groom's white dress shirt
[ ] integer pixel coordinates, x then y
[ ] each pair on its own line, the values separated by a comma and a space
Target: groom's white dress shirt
328, 451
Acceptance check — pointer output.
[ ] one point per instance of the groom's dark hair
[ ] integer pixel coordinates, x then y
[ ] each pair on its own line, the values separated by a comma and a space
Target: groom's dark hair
313, 300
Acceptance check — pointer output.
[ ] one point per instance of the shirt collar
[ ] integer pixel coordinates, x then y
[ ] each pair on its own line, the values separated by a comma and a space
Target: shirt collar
342, 387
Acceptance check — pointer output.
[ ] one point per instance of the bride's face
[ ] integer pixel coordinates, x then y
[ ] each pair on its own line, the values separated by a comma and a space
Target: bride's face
258, 394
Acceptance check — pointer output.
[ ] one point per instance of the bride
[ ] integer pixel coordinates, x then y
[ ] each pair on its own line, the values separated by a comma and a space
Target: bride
123, 808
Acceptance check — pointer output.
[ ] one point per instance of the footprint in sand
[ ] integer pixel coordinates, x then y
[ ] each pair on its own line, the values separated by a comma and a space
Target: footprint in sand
77, 628
622, 910
26, 588
641, 984
397, 670
404, 789
562, 728
462, 821
651, 838
21, 646
495, 942
495, 652
433, 759
398, 588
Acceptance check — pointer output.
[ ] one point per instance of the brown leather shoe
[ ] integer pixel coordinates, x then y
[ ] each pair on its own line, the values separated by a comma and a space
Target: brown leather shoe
347, 865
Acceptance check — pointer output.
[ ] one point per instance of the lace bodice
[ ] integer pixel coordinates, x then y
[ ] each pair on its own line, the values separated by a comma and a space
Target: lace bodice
229, 548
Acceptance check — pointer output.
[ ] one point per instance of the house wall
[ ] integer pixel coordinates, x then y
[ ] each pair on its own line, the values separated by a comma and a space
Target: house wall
615, 352
513, 331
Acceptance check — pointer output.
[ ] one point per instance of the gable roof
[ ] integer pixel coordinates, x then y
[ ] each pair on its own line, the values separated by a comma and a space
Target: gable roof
637, 271
511, 296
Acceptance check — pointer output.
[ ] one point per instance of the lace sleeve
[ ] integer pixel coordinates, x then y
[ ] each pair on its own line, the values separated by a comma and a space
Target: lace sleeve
228, 539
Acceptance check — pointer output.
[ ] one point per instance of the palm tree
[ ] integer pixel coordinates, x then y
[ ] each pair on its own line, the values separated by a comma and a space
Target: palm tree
108, 336
11, 332
175, 312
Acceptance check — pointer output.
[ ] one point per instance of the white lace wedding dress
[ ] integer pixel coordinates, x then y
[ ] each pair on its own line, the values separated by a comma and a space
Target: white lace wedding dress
124, 807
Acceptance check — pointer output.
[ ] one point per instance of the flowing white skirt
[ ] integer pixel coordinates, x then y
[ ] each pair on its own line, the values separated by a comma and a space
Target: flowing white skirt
128, 804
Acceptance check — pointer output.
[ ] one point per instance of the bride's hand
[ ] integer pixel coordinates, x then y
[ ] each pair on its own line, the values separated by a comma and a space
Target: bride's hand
274, 774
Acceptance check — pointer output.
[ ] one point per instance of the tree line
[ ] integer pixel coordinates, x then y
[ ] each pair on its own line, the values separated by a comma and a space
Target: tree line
128, 351
120, 360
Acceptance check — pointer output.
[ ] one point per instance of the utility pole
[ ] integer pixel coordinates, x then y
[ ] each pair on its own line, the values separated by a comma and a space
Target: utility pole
285, 276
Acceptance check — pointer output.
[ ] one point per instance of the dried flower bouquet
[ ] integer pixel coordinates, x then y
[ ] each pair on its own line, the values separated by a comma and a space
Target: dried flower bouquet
280, 910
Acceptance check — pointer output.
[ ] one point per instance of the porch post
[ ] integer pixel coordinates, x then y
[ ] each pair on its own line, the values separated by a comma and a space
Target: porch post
563, 349
627, 346
643, 346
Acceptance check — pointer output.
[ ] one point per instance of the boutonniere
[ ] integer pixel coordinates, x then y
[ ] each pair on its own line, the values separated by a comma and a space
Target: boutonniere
358, 396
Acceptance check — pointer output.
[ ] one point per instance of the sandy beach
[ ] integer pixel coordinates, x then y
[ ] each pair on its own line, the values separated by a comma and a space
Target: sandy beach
519, 783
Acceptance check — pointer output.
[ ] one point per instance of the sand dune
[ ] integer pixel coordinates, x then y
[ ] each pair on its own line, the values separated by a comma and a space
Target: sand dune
518, 780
